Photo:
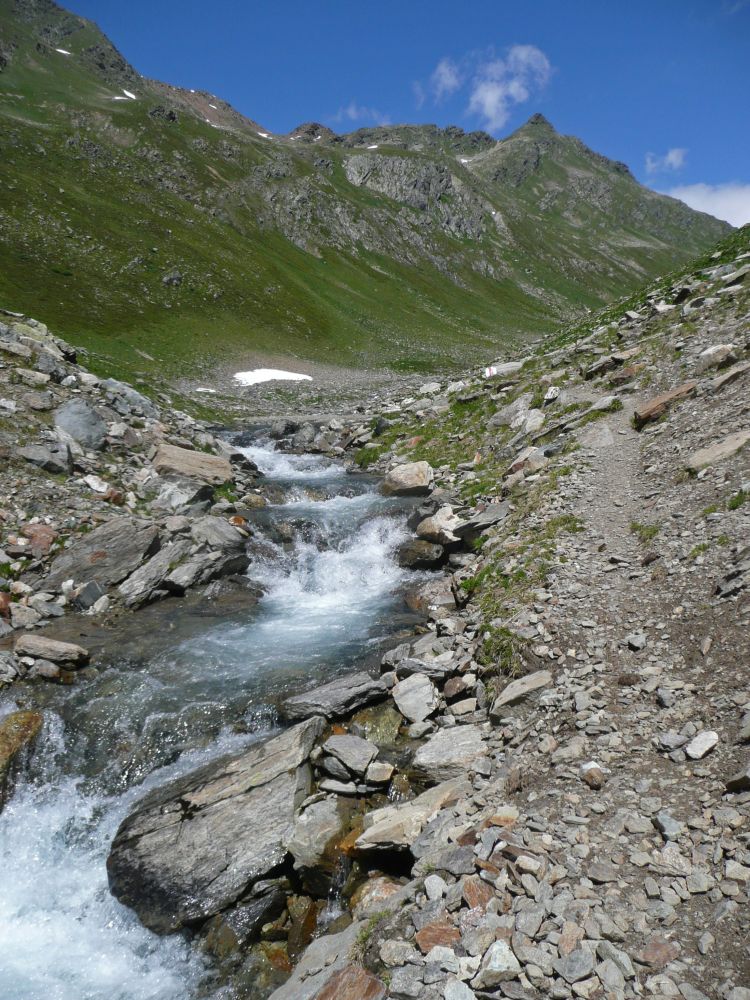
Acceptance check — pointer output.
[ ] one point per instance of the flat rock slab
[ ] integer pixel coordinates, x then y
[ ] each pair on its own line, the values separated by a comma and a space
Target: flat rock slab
520, 688
718, 452
80, 420
450, 753
658, 405
171, 460
321, 961
475, 525
194, 847
333, 700
40, 647
398, 826
107, 555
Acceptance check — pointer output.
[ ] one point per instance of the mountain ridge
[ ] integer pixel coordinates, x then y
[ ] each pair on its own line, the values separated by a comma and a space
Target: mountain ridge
163, 220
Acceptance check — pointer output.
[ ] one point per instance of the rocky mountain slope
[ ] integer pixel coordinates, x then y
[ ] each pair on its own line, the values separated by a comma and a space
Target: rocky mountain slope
148, 222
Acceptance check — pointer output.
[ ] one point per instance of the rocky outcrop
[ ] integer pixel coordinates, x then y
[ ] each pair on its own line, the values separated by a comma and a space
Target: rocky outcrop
198, 845
107, 555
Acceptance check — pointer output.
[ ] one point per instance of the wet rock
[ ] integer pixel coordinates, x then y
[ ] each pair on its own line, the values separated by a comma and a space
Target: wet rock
107, 555
41, 647
80, 421
450, 753
311, 843
320, 962
194, 847
336, 699
419, 554
213, 469
139, 586
410, 479
17, 734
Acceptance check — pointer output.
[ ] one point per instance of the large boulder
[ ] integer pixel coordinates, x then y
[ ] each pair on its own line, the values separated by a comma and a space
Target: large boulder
107, 555
171, 460
80, 421
196, 846
140, 585
323, 959
335, 699
125, 398
56, 459
216, 533
416, 553
416, 697
438, 528
410, 479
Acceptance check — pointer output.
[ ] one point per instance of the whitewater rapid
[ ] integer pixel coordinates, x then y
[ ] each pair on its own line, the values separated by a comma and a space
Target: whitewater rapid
327, 597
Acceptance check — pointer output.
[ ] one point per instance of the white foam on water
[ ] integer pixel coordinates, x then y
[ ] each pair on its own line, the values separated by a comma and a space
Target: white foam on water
63, 936
270, 375
287, 467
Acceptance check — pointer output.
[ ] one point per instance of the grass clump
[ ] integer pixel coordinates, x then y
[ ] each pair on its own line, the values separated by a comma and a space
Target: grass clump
645, 532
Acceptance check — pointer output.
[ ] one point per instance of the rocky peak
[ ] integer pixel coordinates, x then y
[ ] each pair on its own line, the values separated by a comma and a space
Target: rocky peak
312, 132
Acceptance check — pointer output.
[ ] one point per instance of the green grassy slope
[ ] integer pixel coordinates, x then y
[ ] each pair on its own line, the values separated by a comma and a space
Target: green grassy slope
170, 225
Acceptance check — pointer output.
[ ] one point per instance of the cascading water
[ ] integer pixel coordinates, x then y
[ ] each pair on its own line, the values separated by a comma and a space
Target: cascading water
327, 598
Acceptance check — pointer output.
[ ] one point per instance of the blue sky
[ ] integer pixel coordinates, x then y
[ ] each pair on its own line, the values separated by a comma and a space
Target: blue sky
662, 84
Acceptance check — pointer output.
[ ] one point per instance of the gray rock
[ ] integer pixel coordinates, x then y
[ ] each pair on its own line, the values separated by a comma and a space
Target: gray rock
454, 989
416, 553
41, 647
498, 966
57, 460
521, 688
139, 586
125, 398
579, 964
479, 523
701, 744
353, 752
315, 830
333, 700
217, 533
450, 753
80, 420
194, 847
107, 555
415, 697
670, 828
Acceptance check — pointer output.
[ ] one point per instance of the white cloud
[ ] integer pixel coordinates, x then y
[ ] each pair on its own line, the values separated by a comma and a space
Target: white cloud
446, 79
499, 84
354, 112
673, 159
730, 202
419, 94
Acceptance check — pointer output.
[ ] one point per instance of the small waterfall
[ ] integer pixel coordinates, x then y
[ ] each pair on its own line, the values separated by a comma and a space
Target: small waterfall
334, 907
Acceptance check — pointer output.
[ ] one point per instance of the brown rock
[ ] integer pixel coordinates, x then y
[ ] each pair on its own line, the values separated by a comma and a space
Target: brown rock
476, 892
214, 469
352, 983
4, 605
570, 937
303, 916
40, 647
17, 732
659, 405
658, 952
439, 932
41, 537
